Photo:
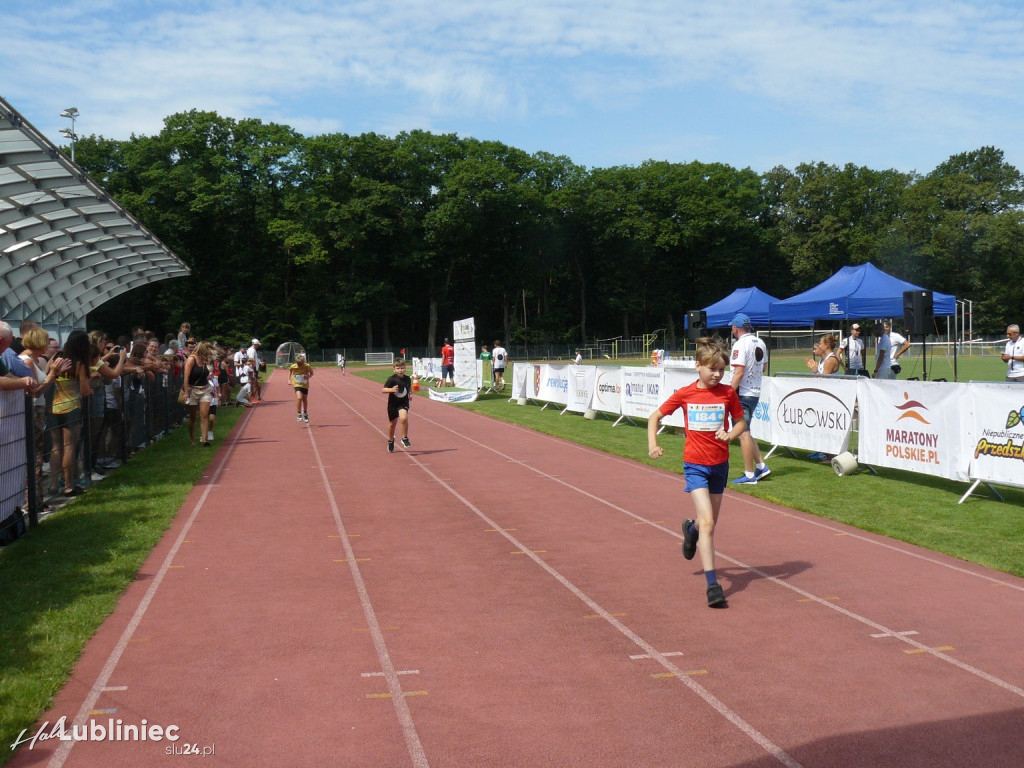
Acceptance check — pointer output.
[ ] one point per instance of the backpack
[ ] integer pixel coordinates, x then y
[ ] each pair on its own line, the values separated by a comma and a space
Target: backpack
12, 527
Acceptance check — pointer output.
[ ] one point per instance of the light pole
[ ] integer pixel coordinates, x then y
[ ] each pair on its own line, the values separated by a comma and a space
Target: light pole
70, 113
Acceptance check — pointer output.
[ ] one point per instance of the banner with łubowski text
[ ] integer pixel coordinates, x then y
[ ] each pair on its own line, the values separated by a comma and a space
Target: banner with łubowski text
914, 426
810, 413
996, 432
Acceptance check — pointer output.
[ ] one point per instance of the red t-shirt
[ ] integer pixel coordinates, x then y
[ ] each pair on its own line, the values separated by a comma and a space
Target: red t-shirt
448, 355
704, 411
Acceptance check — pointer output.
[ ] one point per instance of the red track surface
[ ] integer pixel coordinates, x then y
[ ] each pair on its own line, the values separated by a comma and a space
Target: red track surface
495, 597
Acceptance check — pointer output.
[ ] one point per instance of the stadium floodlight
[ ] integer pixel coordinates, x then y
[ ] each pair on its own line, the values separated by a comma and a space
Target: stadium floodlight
71, 113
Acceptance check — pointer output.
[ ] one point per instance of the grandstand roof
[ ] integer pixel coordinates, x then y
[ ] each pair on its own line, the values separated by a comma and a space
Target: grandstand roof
65, 246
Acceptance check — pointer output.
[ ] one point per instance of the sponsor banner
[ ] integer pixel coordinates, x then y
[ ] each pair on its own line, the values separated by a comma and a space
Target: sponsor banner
608, 389
996, 432
814, 414
760, 425
522, 376
427, 367
912, 425
453, 395
581, 387
464, 330
643, 390
467, 373
551, 383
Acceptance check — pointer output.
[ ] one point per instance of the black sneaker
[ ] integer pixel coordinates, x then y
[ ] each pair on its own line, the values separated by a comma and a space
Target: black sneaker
391, 446
406, 443
716, 597
689, 540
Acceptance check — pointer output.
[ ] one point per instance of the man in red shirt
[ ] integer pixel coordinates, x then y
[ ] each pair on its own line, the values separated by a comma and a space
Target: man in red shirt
447, 365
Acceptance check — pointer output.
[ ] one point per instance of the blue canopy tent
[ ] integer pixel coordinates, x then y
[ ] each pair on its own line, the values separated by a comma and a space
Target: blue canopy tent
853, 292
751, 301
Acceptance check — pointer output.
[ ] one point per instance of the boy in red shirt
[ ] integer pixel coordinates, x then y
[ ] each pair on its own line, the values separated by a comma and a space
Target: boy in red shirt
706, 453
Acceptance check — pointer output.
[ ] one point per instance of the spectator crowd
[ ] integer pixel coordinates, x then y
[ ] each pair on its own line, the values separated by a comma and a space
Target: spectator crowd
95, 400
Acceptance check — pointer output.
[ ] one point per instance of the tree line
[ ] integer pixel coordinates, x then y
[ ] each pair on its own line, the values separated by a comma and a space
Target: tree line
375, 241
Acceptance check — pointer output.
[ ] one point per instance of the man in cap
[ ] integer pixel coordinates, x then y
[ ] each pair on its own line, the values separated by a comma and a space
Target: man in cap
853, 352
749, 359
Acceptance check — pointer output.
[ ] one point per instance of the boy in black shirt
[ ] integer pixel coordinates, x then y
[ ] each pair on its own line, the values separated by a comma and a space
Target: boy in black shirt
398, 389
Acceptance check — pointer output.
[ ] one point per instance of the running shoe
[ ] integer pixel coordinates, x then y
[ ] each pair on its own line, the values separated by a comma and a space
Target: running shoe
689, 539
744, 480
305, 417
298, 417
716, 597
406, 443
760, 474
391, 446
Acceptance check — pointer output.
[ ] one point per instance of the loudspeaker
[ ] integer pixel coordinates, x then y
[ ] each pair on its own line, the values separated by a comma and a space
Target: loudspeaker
696, 323
917, 312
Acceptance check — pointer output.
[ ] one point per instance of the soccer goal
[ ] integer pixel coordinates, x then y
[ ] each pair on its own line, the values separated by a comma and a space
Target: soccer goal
379, 358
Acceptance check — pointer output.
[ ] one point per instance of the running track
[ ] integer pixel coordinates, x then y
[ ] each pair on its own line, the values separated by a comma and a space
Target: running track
496, 597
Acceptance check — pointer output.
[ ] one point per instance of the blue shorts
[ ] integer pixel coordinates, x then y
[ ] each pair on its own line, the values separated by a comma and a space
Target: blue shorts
749, 403
713, 477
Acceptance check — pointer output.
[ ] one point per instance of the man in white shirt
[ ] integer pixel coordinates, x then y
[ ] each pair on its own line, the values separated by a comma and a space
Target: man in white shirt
1013, 355
748, 360
853, 352
253, 354
890, 346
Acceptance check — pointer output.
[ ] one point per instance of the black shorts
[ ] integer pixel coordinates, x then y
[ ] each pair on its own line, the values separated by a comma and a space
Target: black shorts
394, 409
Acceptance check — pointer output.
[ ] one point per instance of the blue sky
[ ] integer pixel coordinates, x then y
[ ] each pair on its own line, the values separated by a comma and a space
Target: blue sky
752, 84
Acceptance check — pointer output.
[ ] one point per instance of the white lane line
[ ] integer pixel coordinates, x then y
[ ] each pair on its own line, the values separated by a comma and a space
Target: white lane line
412, 739
61, 755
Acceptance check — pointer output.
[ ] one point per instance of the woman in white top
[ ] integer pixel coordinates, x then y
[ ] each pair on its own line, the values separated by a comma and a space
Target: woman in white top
825, 347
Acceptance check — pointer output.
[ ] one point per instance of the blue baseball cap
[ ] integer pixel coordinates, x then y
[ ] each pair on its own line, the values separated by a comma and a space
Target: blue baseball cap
741, 320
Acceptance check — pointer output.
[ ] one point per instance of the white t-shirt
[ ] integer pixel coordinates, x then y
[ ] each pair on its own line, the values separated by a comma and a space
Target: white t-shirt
896, 343
579, 360
750, 352
1015, 368
500, 357
854, 353
884, 351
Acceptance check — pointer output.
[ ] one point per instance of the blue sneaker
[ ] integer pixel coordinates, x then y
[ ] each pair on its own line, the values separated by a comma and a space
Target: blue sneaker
817, 456
744, 480
760, 474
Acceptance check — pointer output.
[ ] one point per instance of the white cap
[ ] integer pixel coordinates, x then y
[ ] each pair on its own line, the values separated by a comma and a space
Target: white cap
255, 341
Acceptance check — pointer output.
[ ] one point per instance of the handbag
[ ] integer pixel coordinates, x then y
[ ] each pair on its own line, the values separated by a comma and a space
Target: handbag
182, 395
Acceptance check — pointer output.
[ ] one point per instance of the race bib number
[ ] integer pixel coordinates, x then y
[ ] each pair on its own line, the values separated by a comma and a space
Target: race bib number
300, 378
705, 417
